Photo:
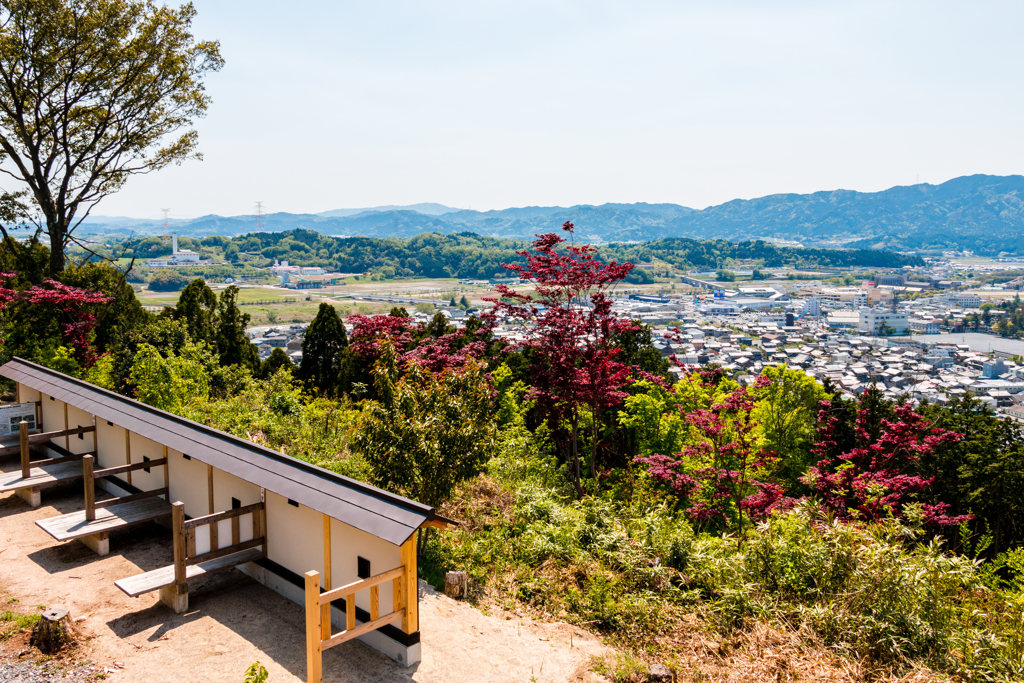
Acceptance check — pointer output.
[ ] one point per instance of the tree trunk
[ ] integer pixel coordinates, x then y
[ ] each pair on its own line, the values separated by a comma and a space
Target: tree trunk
53, 631
56, 232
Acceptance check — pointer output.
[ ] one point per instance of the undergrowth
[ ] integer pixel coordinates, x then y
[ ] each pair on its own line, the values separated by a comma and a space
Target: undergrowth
625, 563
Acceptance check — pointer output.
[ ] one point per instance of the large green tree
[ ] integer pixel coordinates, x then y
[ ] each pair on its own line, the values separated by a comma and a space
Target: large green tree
197, 308
233, 345
322, 350
91, 93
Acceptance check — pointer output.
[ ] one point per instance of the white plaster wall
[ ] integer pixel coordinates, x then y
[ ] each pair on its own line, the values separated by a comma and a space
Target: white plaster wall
225, 487
143, 447
79, 443
347, 545
53, 416
188, 484
27, 394
110, 444
295, 535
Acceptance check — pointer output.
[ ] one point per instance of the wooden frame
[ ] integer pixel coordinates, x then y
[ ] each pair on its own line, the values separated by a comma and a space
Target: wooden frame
90, 476
41, 437
185, 539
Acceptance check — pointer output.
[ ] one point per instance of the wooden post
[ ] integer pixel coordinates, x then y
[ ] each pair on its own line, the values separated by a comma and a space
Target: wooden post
325, 617
214, 540
180, 552
314, 653
410, 592
128, 453
23, 432
95, 428
67, 439
90, 490
167, 470
374, 602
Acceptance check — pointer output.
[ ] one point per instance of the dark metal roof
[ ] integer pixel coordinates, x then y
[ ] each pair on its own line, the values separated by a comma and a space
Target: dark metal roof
386, 515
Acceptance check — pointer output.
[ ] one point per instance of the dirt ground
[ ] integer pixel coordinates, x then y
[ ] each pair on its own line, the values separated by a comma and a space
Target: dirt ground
234, 621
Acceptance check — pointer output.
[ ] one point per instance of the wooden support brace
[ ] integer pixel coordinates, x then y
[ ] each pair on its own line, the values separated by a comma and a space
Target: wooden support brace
23, 433
128, 453
67, 437
374, 603
90, 489
314, 652
167, 471
214, 540
180, 553
325, 618
410, 592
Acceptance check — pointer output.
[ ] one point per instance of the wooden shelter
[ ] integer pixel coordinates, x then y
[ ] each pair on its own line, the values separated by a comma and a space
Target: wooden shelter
230, 504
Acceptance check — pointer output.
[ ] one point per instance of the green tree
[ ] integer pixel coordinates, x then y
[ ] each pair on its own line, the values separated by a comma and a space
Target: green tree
277, 360
322, 350
233, 345
197, 308
171, 382
452, 302
91, 93
425, 433
463, 302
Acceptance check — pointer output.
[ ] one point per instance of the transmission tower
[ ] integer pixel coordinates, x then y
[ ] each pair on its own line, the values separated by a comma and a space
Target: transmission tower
259, 216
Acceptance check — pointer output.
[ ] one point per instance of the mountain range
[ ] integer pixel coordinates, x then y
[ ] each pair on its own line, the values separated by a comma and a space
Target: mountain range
982, 213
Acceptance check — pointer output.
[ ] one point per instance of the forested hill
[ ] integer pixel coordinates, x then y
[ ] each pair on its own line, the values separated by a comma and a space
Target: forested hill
468, 255
980, 212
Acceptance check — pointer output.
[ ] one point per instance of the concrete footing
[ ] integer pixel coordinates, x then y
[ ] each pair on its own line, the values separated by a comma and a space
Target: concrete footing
98, 543
32, 496
175, 597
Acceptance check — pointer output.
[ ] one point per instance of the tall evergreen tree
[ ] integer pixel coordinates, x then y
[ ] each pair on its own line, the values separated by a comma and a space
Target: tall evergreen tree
233, 345
322, 349
197, 308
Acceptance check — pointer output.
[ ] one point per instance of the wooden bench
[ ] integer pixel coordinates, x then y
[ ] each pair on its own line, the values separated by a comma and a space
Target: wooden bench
35, 475
93, 525
172, 581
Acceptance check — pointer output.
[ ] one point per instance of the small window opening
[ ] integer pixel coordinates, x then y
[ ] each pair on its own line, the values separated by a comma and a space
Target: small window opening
187, 457
235, 503
145, 459
293, 503
363, 569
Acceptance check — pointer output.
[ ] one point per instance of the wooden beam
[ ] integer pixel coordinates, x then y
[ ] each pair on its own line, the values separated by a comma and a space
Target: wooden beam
127, 499
325, 618
362, 584
374, 602
314, 651
167, 470
221, 516
178, 531
25, 453
410, 592
128, 452
214, 540
363, 629
128, 468
90, 489
228, 550
350, 613
95, 448
67, 437
435, 524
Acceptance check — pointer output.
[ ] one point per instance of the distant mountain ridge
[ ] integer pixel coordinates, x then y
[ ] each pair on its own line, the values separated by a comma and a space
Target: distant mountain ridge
980, 212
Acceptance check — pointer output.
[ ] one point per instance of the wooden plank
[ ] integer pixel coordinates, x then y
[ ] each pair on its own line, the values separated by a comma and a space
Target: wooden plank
213, 554
410, 592
256, 524
362, 584
350, 611
314, 653
110, 471
190, 542
374, 603
90, 489
220, 516
74, 457
167, 470
127, 499
178, 533
67, 437
74, 525
42, 475
164, 576
363, 629
396, 594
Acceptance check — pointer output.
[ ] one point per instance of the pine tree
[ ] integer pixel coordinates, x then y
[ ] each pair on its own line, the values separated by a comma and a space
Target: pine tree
452, 302
463, 302
322, 349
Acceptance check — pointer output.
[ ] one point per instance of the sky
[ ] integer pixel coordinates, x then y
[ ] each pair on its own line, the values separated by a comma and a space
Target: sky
489, 105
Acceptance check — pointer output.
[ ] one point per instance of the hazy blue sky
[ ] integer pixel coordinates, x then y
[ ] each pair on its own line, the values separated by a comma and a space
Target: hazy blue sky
489, 104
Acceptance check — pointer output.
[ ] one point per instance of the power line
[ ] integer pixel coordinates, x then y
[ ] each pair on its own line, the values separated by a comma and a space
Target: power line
259, 217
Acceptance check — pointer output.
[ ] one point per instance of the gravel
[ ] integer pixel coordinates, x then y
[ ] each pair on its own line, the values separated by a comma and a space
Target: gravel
32, 672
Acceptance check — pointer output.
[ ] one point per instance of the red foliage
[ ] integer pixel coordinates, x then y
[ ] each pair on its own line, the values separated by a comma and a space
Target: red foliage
71, 301
435, 354
724, 488
369, 331
572, 330
870, 481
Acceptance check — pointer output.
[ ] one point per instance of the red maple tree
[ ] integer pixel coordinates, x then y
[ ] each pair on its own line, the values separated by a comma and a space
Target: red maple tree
571, 328
871, 481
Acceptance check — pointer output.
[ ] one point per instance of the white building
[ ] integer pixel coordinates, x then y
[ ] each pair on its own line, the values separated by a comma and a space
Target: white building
873, 320
182, 257
811, 307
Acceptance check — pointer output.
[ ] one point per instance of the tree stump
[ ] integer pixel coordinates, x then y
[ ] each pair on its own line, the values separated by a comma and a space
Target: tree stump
455, 584
660, 673
53, 631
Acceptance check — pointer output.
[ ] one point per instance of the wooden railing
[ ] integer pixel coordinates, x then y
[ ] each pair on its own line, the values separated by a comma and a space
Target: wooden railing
90, 476
318, 614
188, 530
26, 439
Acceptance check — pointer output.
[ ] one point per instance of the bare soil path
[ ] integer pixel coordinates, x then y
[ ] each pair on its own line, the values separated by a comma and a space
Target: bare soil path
234, 621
